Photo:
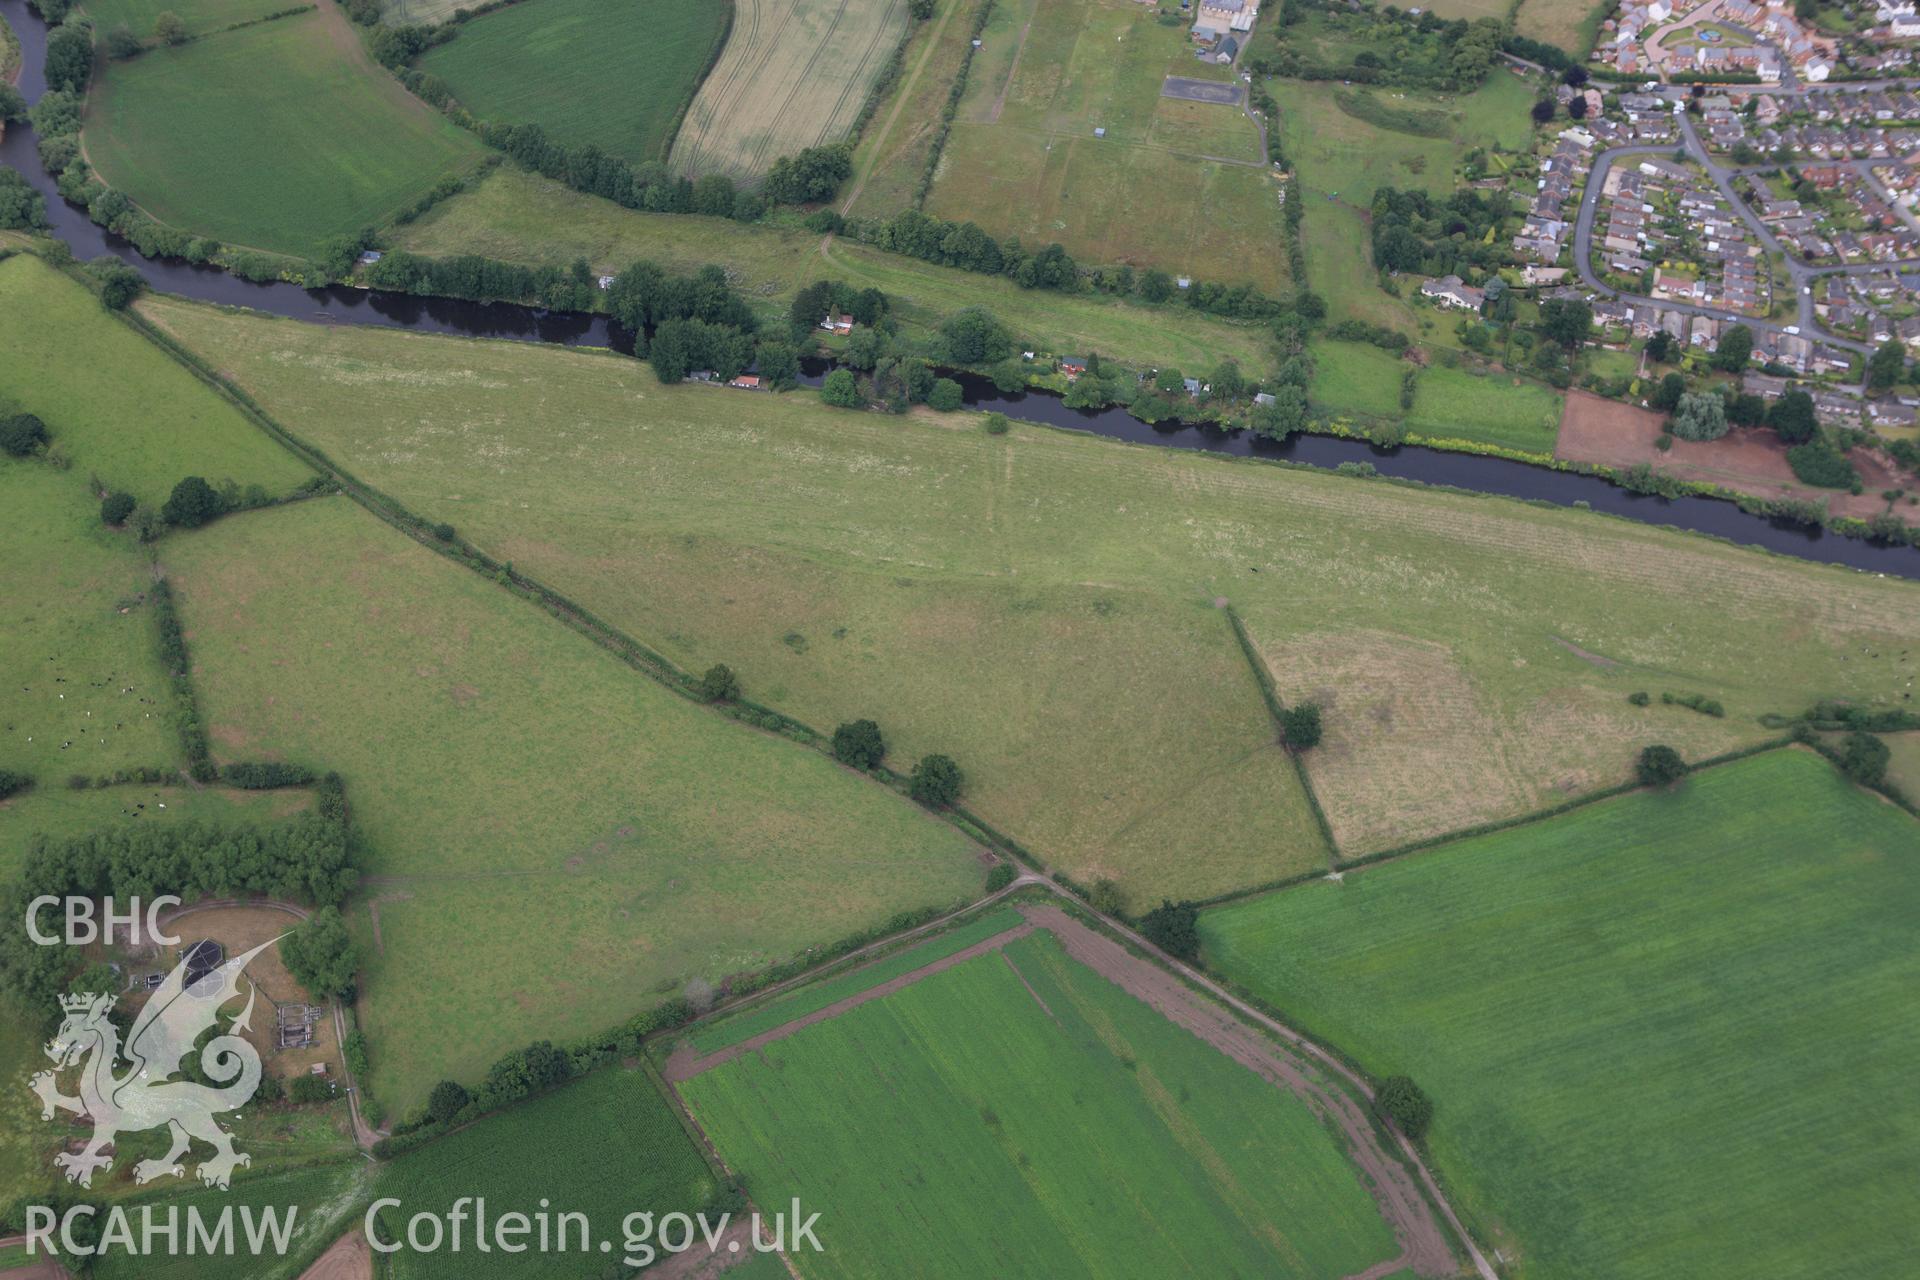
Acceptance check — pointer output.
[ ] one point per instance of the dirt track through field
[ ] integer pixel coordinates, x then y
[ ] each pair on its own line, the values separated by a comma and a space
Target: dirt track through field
1423, 1244
685, 1063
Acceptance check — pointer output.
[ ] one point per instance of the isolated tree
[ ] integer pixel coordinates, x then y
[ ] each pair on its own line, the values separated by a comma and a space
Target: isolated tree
116, 507
1736, 347
1107, 897
841, 390
719, 684
1864, 758
1087, 392
1660, 346
1577, 107
21, 434
1792, 417
119, 283
1568, 321
1886, 364
946, 396
1286, 415
1700, 415
1544, 110
191, 504
935, 782
1406, 1104
1227, 381
1575, 75
858, 743
1660, 766
13, 106
169, 29
975, 336
320, 955
69, 57
996, 424
1300, 724
1174, 927
447, 1100
1667, 394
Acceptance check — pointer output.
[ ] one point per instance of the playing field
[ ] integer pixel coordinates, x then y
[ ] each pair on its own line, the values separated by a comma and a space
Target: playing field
1173, 184
600, 840
1040, 604
193, 135
793, 75
894, 149
631, 67
518, 217
141, 430
1666, 1034
1061, 1124
606, 1146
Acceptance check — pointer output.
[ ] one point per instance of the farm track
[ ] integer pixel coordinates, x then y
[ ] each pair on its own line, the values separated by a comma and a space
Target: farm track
901, 94
1399, 1181
1423, 1242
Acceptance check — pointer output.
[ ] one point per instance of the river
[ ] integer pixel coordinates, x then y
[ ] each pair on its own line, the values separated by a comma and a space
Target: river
342, 304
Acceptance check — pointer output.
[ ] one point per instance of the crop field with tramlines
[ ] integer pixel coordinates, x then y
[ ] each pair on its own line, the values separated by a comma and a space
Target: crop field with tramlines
793, 75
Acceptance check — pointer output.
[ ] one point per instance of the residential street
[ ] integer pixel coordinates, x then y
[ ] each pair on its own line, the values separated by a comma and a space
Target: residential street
1800, 277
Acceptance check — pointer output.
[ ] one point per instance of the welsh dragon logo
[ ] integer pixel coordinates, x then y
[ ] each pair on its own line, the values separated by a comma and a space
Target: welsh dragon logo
146, 1096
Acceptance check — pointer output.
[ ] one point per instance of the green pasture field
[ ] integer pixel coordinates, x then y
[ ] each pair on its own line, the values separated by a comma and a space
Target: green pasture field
605, 1146
1665, 1034
599, 840
1028, 1096
748, 1023
1040, 605
191, 135
1572, 25
71, 651
521, 217
894, 149
142, 429
55, 811
1105, 718
1904, 769
201, 16
329, 1197
1491, 408
1356, 378
794, 74
1002, 47
630, 68
1177, 185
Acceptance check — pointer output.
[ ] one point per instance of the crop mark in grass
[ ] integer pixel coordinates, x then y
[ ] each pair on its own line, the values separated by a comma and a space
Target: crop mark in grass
1598, 660
1423, 1242
686, 1063
1028, 985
